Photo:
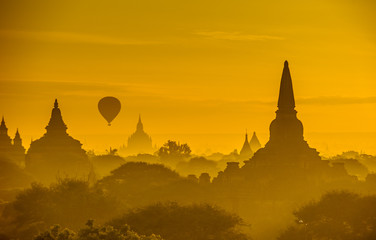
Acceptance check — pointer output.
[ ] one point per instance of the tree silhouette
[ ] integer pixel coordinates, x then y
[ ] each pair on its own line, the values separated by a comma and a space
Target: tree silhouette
92, 232
191, 222
172, 152
70, 202
137, 183
338, 215
112, 151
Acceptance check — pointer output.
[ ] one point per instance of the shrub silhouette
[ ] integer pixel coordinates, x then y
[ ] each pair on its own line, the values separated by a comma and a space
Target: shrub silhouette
92, 232
69, 202
12, 176
172, 152
177, 222
135, 183
337, 215
197, 165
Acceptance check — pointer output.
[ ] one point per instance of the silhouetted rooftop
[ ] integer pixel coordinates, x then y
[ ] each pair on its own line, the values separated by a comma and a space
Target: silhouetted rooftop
56, 123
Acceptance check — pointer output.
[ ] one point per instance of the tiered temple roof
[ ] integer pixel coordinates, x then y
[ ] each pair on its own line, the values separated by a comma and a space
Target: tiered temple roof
56, 152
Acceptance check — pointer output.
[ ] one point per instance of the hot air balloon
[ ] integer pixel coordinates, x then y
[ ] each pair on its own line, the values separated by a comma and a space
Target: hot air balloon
109, 107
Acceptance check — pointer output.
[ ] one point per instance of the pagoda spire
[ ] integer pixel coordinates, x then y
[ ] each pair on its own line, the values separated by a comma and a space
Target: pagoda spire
246, 149
17, 136
17, 141
286, 128
56, 123
3, 127
286, 101
2, 122
140, 126
255, 143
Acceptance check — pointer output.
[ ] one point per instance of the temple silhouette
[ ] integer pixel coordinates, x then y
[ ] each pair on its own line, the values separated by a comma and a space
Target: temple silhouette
11, 149
56, 153
249, 147
286, 145
139, 141
246, 151
254, 143
286, 161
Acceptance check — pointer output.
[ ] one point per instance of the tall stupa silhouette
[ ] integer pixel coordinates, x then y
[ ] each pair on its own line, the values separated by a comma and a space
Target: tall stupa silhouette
286, 145
56, 154
286, 166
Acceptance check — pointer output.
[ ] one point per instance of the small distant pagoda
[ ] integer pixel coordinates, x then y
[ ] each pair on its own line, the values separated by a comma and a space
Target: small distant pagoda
5, 141
11, 150
246, 151
56, 154
254, 143
139, 141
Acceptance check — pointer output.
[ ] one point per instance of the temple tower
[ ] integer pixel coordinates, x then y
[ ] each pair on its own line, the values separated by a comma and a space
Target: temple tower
140, 126
19, 150
286, 168
56, 153
139, 141
5, 140
12, 152
286, 145
17, 141
56, 124
246, 151
6, 148
254, 143
286, 129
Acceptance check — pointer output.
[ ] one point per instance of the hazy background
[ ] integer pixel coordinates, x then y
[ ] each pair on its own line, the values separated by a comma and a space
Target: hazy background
198, 71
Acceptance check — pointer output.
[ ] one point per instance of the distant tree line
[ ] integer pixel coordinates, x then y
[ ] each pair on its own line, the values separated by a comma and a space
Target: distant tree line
70, 202
92, 232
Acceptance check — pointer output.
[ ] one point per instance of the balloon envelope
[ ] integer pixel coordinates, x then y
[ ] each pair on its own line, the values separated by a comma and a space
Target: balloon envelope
109, 107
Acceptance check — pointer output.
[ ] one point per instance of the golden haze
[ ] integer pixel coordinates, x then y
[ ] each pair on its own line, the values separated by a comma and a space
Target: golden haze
198, 71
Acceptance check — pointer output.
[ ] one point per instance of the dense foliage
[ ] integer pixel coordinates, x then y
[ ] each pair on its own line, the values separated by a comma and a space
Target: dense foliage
337, 215
197, 166
172, 152
70, 202
12, 176
190, 222
138, 183
91, 232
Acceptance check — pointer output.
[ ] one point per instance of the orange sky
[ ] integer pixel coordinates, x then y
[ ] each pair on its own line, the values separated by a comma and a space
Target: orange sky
198, 71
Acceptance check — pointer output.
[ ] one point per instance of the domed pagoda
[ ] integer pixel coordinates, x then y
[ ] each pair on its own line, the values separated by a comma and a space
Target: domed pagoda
139, 141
